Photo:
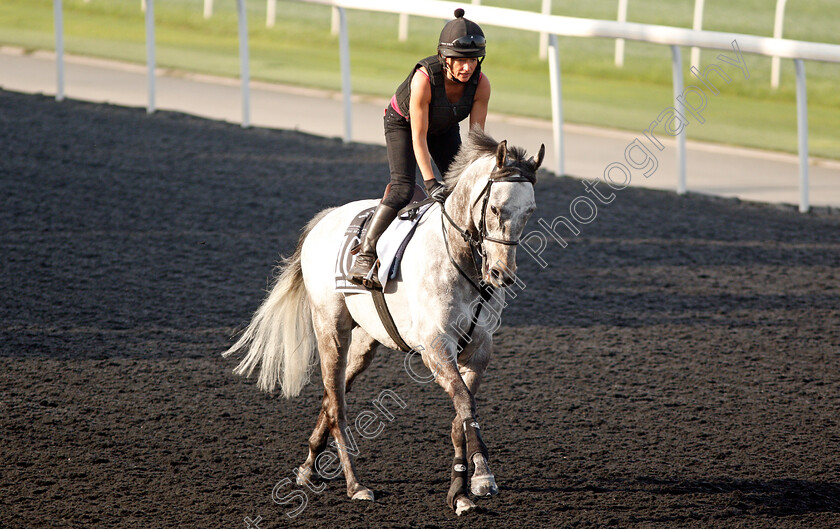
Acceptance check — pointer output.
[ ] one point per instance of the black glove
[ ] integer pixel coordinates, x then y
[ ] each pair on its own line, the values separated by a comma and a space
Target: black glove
435, 189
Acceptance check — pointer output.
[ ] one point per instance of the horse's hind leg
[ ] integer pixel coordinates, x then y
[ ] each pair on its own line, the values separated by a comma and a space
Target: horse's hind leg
333, 344
361, 353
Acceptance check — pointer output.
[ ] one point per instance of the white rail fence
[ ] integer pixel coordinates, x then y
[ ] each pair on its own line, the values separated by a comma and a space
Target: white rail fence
58, 16
402, 31
777, 33
150, 53
697, 24
553, 26
619, 43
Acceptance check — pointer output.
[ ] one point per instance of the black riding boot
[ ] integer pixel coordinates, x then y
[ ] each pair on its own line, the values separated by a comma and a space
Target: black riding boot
362, 272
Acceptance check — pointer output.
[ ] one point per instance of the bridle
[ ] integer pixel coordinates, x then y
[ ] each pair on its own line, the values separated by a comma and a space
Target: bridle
483, 234
476, 244
485, 290
519, 172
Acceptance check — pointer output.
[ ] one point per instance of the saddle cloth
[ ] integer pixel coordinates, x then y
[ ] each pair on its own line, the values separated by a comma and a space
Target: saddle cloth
389, 248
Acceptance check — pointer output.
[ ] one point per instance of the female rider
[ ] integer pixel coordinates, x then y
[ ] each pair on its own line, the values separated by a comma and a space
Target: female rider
421, 125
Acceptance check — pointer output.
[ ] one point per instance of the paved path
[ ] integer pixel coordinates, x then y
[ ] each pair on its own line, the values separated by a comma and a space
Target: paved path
733, 172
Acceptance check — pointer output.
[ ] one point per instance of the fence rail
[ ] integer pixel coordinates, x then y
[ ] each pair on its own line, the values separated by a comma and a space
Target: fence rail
553, 26
674, 37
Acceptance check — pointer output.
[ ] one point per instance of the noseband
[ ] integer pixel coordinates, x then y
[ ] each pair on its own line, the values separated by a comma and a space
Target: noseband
483, 235
485, 290
504, 174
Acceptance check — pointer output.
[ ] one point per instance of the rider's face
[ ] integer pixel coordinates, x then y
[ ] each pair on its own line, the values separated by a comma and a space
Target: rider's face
462, 68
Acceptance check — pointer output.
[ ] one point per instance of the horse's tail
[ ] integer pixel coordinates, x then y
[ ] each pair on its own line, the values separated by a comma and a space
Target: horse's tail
281, 335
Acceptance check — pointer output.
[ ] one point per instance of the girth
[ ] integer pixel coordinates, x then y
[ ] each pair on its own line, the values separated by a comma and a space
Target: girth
388, 320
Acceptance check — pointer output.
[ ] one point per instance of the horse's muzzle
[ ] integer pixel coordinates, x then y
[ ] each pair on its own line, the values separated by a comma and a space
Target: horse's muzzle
501, 276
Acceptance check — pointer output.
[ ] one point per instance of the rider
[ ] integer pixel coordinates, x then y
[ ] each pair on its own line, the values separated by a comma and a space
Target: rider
421, 125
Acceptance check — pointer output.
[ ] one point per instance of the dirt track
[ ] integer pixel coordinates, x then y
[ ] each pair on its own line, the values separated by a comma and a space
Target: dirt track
678, 365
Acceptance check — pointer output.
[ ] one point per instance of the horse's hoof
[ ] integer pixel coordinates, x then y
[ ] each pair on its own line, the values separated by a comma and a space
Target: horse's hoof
304, 475
364, 494
483, 486
463, 505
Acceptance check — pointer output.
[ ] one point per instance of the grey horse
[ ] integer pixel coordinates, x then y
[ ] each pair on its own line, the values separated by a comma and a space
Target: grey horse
491, 196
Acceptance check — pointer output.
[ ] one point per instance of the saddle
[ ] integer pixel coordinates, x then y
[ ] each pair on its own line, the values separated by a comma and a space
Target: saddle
390, 247
409, 212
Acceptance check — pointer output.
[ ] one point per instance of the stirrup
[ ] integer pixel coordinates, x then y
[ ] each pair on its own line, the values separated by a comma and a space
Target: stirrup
370, 280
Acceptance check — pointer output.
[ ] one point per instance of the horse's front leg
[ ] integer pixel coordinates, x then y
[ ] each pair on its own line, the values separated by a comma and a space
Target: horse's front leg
482, 483
457, 498
466, 436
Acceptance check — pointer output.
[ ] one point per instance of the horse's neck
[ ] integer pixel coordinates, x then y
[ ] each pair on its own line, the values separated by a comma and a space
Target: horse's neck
460, 200
459, 206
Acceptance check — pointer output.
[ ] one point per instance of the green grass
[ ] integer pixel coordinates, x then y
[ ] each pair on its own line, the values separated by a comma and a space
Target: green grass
300, 50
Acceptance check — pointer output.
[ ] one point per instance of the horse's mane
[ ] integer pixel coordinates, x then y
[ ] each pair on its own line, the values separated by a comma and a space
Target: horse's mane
478, 145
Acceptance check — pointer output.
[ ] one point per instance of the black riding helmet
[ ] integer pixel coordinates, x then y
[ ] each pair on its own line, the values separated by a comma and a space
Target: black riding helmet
461, 38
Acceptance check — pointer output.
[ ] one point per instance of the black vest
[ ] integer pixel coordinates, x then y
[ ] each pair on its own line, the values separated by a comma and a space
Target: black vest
442, 113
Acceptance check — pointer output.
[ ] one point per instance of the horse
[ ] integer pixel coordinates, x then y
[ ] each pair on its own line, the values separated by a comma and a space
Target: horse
491, 196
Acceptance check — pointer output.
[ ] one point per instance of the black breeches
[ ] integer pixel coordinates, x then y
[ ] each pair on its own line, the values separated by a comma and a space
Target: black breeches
443, 148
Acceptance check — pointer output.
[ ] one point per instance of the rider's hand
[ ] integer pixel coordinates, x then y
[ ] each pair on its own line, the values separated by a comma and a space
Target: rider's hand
435, 189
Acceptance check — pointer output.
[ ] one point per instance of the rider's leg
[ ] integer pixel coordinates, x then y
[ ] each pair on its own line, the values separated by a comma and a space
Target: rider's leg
403, 167
365, 261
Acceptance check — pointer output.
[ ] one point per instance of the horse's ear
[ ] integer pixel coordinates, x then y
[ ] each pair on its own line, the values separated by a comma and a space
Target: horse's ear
501, 154
540, 157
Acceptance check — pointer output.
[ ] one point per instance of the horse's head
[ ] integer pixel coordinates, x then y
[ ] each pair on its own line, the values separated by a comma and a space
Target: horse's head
501, 198
503, 207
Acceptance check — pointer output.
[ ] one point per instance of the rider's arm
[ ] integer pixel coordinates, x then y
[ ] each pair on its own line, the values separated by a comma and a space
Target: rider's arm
478, 114
418, 107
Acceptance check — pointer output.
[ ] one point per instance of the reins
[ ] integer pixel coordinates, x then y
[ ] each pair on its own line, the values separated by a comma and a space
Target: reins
476, 245
519, 171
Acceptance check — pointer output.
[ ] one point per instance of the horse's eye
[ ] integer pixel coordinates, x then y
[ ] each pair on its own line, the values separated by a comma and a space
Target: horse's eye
494, 210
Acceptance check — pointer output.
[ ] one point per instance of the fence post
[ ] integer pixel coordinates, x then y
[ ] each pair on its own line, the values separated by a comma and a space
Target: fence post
150, 53
344, 52
243, 64
678, 90
698, 25
270, 13
777, 33
802, 125
619, 43
59, 50
546, 10
403, 29
556, 102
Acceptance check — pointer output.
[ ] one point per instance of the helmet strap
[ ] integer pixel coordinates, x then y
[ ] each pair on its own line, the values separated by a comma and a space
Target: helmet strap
449, 73
448, 70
